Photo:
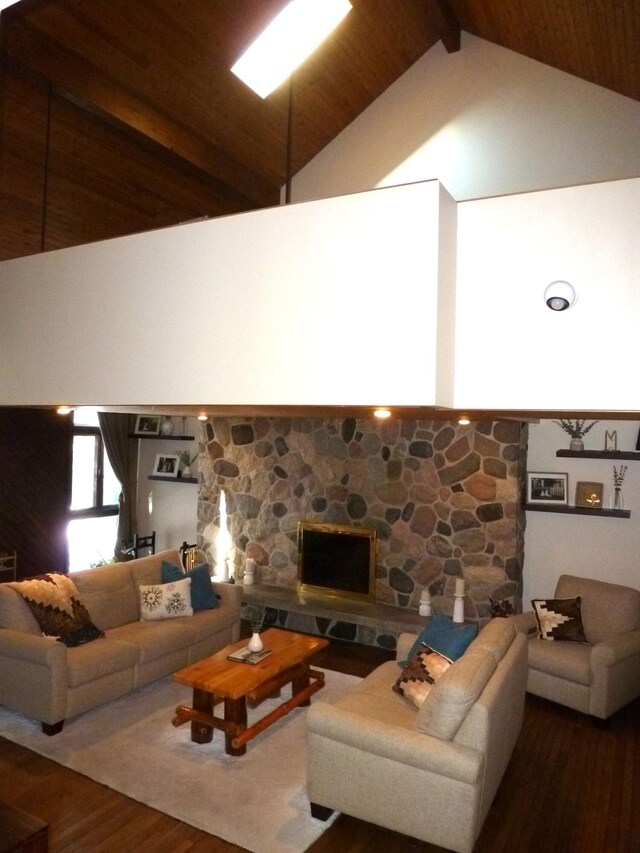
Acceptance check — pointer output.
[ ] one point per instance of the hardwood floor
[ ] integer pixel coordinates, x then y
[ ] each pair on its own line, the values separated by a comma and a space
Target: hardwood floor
570, 788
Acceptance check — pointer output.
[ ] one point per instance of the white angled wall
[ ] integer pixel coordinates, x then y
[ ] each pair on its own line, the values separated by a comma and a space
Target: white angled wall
484, 121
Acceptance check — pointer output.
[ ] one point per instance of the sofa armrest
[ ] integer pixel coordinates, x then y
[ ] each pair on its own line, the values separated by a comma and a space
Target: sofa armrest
33, 675
405, 641
395, 743
46, 651
230, 594
615, 649
615, 674
525, 622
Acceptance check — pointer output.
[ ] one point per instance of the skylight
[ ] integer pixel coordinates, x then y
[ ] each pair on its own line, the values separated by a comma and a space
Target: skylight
287, 41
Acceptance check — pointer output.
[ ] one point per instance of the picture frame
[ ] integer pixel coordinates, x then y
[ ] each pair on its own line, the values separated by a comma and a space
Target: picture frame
589, 494
148, 425
547, 487
166, 465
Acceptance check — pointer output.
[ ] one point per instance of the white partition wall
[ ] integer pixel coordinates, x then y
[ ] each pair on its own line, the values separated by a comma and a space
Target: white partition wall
512, 351
328, 302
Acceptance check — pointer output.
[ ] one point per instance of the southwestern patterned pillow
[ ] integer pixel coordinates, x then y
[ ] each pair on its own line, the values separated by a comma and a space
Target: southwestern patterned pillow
559, 619
165, 601
58, 609
420, 674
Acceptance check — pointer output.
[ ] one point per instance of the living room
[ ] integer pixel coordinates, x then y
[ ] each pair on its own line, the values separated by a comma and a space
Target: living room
493, 123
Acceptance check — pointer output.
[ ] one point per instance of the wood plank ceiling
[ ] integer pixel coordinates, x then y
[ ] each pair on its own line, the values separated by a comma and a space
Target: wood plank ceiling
148, 83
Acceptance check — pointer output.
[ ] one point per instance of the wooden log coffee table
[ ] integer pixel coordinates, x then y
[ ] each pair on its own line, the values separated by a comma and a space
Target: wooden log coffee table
215, 679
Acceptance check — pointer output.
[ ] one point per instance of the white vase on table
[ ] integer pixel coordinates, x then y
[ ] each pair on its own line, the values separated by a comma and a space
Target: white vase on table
255, 643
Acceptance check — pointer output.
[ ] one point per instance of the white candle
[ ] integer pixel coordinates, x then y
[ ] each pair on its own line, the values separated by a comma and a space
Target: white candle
459, 586
425, 597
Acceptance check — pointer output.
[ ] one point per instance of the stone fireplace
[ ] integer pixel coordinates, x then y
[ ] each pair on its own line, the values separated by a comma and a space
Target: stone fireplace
444, 499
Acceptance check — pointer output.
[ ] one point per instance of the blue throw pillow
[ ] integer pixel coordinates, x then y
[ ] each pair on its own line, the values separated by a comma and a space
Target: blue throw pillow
203, 596
444, 636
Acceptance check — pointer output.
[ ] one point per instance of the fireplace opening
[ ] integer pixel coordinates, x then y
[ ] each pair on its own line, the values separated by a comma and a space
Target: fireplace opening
336, 560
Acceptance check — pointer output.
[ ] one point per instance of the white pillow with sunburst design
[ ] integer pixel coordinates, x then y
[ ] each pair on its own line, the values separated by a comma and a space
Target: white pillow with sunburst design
166, 601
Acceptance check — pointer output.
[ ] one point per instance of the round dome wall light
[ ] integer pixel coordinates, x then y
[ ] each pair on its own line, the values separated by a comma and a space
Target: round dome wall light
560, 295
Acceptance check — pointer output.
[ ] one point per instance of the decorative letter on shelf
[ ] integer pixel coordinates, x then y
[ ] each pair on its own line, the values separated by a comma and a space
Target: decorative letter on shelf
611, 440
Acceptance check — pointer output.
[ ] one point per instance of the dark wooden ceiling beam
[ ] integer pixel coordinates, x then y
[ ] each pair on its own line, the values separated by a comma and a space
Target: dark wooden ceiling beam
72, 74
451, 33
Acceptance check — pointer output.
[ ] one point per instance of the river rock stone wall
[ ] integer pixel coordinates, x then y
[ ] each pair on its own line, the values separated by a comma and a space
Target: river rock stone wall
445, 500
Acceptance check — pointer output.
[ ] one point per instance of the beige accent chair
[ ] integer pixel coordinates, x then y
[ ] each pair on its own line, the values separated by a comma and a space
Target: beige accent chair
598, 677
430, 773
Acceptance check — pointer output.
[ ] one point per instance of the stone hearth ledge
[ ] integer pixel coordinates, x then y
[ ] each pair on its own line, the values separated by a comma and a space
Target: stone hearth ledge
372, 623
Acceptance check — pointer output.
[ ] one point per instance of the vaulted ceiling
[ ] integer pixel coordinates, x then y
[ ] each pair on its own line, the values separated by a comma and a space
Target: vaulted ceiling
158, 70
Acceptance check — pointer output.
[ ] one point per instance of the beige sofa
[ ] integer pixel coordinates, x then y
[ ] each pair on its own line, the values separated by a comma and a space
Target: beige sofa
430, 773
43, 679
597, 677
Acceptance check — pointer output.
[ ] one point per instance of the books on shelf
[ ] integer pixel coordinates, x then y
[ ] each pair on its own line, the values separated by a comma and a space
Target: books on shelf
245, 655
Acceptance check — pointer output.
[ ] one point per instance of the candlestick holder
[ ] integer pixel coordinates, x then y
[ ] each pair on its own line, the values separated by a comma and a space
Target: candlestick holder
425, 609
458, 609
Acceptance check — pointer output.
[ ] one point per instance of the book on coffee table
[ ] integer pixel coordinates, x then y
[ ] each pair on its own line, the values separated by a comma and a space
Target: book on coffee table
245, 655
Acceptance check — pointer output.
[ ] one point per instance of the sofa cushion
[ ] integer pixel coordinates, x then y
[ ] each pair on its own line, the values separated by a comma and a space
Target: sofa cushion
450, 699
109, 594
166, 601
372, 698
444, 636
147, 571
608, 609
559, 619
95, 660
15, 612
419, 675
569, 661
154, 640
496, 637
57, 607
203, 596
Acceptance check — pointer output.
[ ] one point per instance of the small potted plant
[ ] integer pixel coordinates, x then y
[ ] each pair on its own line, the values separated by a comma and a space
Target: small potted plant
577, 430
186, 461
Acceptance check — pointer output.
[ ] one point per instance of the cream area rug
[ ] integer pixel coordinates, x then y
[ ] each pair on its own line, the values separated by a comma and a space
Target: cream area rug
257, 801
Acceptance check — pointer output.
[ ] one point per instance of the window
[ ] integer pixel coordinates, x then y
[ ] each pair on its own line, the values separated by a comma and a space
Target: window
95, 491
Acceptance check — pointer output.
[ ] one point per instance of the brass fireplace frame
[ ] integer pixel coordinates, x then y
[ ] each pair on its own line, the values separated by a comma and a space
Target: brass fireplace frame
341, 529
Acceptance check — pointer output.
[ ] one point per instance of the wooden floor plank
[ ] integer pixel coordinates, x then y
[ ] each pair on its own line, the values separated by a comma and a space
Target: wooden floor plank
570, 788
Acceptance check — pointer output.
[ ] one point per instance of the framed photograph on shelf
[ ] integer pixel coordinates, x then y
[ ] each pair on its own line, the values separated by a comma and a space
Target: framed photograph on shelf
547, 488
589, 494
148, 425
167, 465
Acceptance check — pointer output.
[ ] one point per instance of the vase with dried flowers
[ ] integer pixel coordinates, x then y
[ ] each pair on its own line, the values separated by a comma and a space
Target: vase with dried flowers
618, 479
577, 430
255, 643
186, 460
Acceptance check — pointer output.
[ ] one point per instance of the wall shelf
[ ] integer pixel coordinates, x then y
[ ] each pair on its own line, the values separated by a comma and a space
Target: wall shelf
165, 437
173, 479
579, 510
600, 454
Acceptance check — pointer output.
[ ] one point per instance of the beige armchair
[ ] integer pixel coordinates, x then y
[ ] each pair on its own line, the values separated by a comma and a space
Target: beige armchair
597, 677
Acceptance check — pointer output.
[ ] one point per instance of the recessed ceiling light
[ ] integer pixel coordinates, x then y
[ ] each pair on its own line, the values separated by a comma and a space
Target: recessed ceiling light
382, 413
202, 417
64, 410
464, 420
287, 41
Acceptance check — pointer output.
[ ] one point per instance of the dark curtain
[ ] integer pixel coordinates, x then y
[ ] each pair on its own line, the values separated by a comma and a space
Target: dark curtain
123, 455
